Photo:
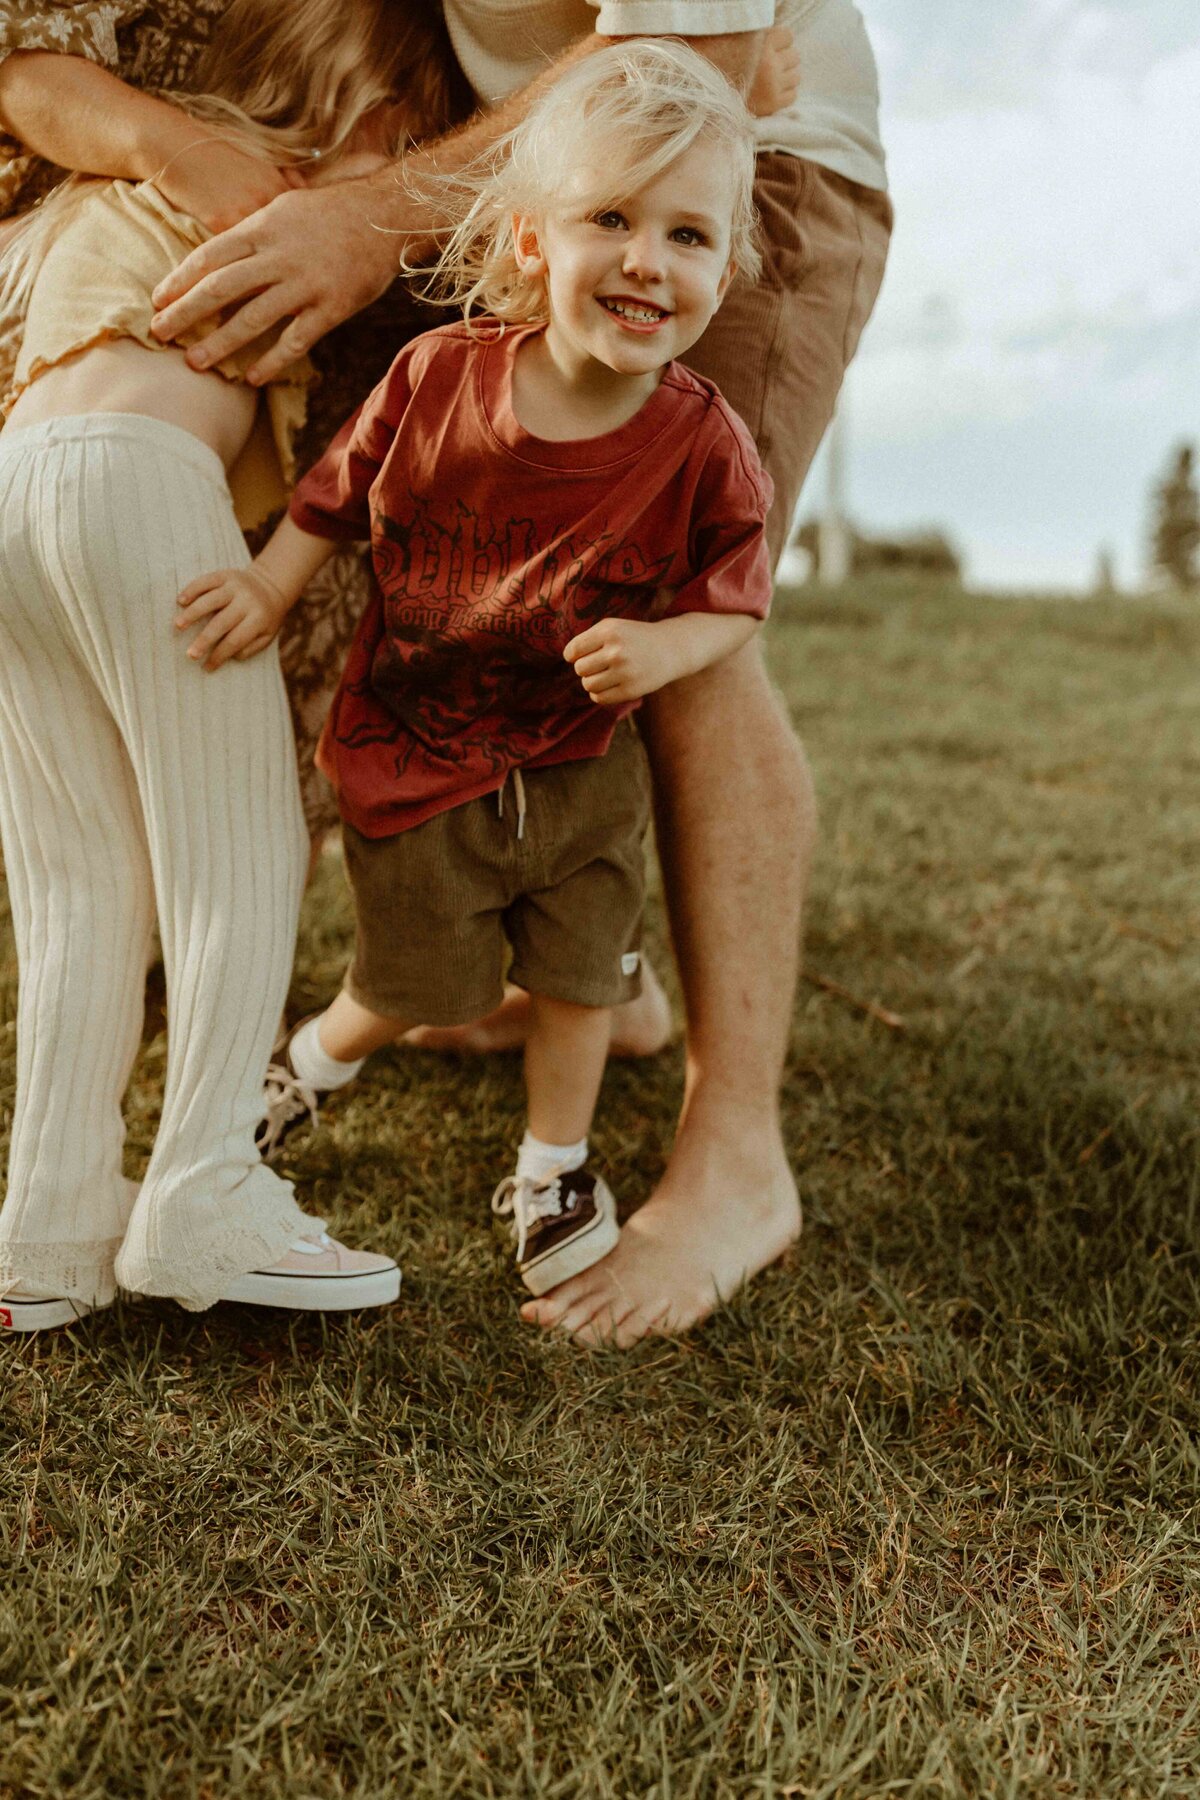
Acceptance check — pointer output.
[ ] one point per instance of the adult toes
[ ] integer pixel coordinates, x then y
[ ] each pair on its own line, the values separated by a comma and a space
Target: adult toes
610, 1329
550, 1309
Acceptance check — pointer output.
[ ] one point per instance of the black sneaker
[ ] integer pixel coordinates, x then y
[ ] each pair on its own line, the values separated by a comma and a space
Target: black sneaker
562, 1225
289, 1102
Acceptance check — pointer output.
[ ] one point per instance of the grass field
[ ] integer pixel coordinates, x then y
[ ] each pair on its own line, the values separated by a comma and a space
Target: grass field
917, 1515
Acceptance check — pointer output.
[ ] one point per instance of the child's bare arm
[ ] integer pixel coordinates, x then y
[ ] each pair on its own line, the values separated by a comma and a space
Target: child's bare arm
244, 608
622, 659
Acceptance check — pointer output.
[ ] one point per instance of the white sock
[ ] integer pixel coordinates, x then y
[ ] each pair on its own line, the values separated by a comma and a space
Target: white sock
315, 1065
539, 1161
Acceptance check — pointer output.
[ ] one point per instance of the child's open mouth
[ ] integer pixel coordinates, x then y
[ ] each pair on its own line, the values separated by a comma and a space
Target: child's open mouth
639, 315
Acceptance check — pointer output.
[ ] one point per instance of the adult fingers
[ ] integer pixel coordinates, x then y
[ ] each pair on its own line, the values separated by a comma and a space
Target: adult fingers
269, 301
216, 253
249, 323
294, 341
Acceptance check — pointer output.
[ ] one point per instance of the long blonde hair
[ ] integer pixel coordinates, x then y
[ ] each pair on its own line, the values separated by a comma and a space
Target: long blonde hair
298, 75
288, 80
618, 119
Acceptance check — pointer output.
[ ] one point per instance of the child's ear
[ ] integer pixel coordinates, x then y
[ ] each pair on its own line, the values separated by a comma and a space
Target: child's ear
727, 277
527, 247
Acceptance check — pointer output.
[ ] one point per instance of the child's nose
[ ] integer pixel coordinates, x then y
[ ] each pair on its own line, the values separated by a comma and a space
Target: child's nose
645, 256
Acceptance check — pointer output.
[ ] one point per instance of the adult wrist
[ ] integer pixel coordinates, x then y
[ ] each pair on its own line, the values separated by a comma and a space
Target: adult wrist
160, 133
397, 217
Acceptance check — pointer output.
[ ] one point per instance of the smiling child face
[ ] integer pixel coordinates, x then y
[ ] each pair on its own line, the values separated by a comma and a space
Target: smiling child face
634, 284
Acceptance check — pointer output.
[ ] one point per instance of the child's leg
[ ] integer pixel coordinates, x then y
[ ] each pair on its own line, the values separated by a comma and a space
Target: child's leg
319, 1055
348, 1031
143, 510
565, 1054
82, 903
564, 1217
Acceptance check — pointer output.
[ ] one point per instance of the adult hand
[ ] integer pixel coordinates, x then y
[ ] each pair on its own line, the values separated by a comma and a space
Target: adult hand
777, 79
313, 257
214, 181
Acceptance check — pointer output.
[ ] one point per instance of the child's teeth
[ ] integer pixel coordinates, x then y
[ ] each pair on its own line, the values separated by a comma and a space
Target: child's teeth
642, 314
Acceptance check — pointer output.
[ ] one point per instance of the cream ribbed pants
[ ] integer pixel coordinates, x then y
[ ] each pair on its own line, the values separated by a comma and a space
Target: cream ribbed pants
134, 783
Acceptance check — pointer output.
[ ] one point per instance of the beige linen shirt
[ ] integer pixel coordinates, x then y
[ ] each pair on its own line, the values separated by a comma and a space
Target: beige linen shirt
834, 119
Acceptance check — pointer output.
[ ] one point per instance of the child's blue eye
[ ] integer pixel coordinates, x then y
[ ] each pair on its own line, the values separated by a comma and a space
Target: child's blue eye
687, 234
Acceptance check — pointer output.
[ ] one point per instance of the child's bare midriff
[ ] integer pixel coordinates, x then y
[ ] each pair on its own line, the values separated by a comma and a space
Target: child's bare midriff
122, 376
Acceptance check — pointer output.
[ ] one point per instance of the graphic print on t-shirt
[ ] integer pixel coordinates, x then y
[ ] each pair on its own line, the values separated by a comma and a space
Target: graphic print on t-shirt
476, 615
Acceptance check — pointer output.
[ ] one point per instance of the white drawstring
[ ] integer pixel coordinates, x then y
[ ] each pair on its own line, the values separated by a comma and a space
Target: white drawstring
519, 791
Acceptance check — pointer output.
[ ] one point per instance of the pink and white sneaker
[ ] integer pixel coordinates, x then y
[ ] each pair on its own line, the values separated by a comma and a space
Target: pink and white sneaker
320, 1275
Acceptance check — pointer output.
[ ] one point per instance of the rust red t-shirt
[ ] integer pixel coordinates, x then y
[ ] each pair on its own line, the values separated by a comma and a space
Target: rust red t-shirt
492, 548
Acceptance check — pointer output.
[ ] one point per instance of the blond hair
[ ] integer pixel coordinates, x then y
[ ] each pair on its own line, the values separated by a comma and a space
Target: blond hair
297, 76
606, 128
288, 81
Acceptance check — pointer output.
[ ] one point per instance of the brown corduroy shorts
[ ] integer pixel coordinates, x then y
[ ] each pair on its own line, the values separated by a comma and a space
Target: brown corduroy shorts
437, 905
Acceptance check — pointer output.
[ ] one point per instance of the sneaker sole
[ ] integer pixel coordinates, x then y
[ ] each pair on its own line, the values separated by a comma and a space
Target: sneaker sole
41, 1315
556, 1266
315, 1293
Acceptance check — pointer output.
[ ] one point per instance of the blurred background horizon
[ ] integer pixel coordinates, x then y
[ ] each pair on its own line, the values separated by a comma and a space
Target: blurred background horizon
1034, 360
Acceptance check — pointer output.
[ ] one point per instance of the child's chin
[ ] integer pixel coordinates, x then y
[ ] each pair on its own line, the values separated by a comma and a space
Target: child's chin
639, 358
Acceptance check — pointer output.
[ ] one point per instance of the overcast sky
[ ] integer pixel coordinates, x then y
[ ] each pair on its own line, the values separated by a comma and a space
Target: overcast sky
1036, 349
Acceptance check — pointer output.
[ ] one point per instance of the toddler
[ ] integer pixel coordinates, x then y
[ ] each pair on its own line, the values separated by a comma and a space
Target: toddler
562, 520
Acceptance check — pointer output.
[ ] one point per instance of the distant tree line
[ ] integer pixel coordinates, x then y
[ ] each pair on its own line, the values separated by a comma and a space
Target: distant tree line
1175, 523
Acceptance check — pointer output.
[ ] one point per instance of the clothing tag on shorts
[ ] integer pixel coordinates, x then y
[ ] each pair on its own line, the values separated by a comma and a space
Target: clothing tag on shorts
629, 962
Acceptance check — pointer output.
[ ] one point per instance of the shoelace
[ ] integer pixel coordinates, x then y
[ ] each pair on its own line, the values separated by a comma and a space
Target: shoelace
526, 1202
287, 1098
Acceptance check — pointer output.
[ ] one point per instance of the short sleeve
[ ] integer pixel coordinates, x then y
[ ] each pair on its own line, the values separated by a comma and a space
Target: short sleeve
333, 499
682, 18
728, 538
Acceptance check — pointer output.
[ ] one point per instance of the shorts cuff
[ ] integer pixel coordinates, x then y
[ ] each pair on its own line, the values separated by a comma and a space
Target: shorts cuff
598, 993
415, 1009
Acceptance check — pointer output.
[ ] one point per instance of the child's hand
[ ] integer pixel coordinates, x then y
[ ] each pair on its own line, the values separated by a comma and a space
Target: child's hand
622, 659
244, 609
777, 78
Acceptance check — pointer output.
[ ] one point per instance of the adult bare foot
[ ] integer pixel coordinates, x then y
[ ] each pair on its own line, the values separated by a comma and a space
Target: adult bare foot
641, 1027
719, 1216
